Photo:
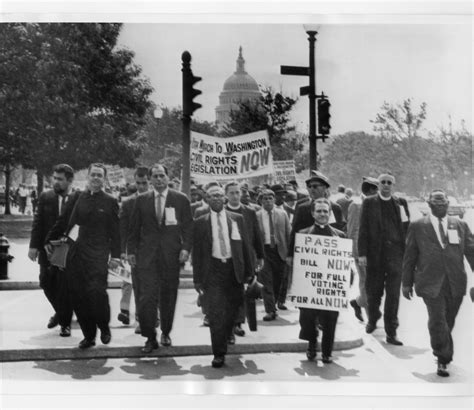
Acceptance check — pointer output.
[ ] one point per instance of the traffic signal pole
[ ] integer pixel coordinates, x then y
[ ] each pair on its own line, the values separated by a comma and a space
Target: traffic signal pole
313, 152
188, 108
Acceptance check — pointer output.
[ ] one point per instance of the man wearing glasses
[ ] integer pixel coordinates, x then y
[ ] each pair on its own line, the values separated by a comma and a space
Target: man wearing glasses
383, 224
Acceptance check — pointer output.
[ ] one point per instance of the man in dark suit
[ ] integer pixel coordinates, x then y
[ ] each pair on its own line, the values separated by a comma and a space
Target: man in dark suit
53, 281
310, 318
222, 263
159, 243
233, 194
275, 227
384, 220
318, 185
433, 262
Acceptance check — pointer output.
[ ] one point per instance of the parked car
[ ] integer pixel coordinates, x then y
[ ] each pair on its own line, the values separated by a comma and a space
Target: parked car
455, 208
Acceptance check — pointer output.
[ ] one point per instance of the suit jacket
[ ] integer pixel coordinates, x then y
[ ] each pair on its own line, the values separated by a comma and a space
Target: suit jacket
353, 217
46, 215
304, 218
201, 210
125, 220
282, 230
148, 238
344, 203
426, 264
202, 249
370, 227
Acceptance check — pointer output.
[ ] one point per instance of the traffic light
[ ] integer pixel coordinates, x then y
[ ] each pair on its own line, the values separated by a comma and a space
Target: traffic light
189, 106
324, 127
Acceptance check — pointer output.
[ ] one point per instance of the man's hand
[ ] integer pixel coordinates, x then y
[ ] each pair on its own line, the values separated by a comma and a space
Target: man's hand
362, 261
259, 265
49, 249
132, 260
32, 253
123, 257
289, 261
198, 287
407, 292
183, 256
114, 263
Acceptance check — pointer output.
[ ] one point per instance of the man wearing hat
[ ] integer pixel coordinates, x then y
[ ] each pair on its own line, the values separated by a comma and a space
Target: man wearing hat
384, 221
275, 227
318, 185
369, 187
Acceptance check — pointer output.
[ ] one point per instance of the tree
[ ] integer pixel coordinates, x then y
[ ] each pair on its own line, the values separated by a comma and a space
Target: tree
403, 126
271, 112
69, 95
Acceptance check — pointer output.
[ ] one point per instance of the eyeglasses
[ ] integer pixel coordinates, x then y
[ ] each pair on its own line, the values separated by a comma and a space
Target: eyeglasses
386, 182
316, 185
322, 211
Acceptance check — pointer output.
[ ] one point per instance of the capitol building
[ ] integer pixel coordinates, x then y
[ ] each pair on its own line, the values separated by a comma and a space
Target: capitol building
239, 87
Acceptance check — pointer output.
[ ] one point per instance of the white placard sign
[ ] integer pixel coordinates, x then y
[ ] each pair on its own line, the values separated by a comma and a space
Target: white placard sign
321, 272
244, 156
116, 176
284, 170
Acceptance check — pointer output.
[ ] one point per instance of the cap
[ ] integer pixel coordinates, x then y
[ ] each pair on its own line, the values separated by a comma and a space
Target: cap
318, 176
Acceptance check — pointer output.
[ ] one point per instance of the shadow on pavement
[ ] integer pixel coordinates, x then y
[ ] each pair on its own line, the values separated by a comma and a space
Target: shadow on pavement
52, 340
233, 367
456, 375
404, 352
279, 321
331, 371
77, 369
153, 369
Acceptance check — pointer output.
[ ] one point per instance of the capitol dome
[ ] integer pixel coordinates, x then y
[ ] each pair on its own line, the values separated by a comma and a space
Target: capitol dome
239, 87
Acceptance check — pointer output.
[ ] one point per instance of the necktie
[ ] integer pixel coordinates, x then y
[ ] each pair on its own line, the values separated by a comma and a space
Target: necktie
444, 238
159, 212
272, 229
63, 202
220, 233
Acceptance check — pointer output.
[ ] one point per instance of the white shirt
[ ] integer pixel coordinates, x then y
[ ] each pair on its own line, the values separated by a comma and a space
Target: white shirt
435, 222
383, 198
162, 198
216, 246
266, 225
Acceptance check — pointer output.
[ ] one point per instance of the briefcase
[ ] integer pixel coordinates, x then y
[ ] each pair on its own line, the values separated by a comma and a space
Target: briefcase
59, 256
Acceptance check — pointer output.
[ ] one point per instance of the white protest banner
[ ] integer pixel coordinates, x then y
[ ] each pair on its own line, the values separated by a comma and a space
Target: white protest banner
123, 272
116, 176
284, 170
321, 272
230, 158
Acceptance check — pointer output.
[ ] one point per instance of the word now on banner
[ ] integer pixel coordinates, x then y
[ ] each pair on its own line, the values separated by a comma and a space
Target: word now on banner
244, 156
321, 272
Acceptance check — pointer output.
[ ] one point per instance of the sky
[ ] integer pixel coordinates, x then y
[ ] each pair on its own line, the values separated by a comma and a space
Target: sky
358, 66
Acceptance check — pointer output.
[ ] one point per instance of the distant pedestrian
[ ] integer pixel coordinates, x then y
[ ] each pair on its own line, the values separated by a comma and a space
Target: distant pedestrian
433, 263
23, 197
383, 223
345, 201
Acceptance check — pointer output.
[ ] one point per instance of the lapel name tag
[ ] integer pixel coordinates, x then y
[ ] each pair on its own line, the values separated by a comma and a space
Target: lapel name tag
170, 216
235, 234
403, 214
453, 237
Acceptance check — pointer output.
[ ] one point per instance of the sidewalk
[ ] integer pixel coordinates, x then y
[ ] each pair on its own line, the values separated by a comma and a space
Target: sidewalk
24, 336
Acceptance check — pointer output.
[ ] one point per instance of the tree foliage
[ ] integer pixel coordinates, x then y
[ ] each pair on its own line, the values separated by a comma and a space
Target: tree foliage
271, 112
68, 94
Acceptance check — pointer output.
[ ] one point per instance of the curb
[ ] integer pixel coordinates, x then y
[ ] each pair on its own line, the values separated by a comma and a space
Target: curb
102, 352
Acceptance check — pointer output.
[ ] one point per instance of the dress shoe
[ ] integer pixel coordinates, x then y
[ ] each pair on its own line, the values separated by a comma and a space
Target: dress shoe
393, 340
105, 336
138, 330
442, 370
282, 306
124, 317
357, 310
86, 343
231, 340
65, 331
370, 327
326, 359
53, 321
311, 352
165, 340
218, 361
270, 316
150, 345
205, 321
238, 330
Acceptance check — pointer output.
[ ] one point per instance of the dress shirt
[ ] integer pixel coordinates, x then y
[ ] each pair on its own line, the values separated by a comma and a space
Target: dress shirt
162, 198
266, 225
435, 222
216, 247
